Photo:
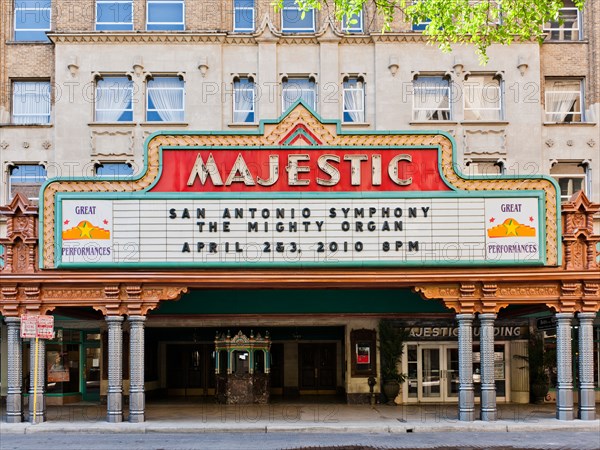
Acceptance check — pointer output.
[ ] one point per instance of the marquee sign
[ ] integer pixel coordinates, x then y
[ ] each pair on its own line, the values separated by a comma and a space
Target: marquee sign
299, 192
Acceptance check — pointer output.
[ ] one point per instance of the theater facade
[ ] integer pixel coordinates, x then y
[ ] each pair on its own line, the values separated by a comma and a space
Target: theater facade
243, 265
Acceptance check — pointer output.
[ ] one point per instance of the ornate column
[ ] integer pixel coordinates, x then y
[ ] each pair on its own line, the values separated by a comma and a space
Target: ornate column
114, 408
14, 400
488, 383
564, 388
40, 403
587, 397
466, 398
136, 369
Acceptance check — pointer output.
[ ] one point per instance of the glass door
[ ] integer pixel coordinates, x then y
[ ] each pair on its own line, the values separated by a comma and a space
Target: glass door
430, 381
91, 372
432, 372
451, 373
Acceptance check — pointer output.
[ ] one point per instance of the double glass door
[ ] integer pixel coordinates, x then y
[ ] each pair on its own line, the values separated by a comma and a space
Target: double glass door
432, 372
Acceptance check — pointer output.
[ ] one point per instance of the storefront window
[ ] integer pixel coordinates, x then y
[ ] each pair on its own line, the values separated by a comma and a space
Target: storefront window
62, 368
413, 372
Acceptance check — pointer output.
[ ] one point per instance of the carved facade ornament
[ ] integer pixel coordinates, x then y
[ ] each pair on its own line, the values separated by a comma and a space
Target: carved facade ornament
580, 242
489, 290
25, 144
41, 297
20, 243
549, 142
570, 143
273, 134
570, 289
46, 145
4, 145
591, 143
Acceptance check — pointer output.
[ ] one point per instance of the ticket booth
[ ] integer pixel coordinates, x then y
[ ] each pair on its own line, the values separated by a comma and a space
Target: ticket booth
242, 368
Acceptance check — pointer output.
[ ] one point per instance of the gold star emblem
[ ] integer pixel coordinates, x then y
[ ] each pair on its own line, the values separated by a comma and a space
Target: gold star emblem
511, 228
85, 230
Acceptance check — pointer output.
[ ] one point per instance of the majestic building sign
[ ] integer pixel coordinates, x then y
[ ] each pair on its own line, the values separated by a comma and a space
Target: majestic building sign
285, 196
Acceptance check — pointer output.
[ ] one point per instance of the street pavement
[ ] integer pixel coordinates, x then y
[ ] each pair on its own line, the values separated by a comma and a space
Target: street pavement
305, 441
197, 425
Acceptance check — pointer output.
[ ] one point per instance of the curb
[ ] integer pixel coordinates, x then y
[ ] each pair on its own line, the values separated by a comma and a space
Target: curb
545, 425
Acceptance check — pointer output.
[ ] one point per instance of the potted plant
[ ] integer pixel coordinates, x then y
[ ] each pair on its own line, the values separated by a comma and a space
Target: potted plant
391, 348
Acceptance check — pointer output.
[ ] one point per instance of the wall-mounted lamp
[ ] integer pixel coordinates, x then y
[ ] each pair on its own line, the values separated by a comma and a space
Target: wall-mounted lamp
458, 66
522, 65
73, 66
203, 65
393, 65
138, 65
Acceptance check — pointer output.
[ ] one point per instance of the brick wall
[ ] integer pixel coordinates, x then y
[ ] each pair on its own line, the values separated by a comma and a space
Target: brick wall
592, 19
4, 36
74, 15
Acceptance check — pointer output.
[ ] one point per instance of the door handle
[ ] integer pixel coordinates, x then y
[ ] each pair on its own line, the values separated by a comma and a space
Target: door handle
316, 372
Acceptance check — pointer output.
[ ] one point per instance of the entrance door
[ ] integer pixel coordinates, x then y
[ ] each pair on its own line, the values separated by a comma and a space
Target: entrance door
190, 369
317, 368
432, 371
91, 372
430, 383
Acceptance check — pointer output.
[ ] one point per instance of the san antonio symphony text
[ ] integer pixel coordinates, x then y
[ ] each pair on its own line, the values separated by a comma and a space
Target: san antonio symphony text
284, 221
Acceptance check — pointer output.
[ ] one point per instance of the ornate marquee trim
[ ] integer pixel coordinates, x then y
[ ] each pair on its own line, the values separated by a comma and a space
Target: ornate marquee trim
329, 133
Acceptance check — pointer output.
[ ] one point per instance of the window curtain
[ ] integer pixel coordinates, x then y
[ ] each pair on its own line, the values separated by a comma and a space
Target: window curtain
430, 101
294, 90
244, 102
113, 97
166, 94
31, 102
482, 98
561, 99
353, 101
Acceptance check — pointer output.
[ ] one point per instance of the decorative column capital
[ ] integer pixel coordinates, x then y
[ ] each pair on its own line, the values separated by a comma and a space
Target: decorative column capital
465, 317
12, 321
586, 316
136, 319
487, 317
114, 319
564, 316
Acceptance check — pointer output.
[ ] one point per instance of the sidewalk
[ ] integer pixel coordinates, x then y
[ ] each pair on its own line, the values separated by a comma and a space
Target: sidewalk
298, 417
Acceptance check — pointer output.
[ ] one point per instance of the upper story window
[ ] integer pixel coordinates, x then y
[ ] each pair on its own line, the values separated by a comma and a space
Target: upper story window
244, 100
420, 26
564, 99
431, 98
294, 89
114, 15
165, 99
571, 177
353, 24
243, 16
294, 20
31, 102
482, 95
32, 19
26, 179
568, 24
354, 100
114, 99
114, 170
166, 15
